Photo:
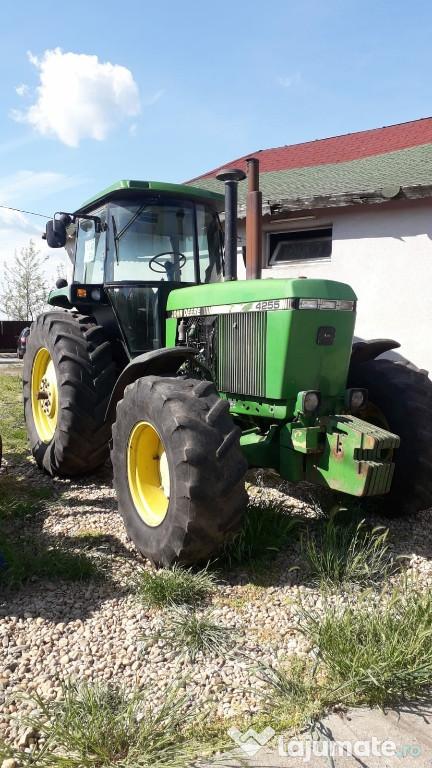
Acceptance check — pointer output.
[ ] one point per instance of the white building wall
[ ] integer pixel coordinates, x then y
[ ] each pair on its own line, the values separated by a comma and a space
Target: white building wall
385, 253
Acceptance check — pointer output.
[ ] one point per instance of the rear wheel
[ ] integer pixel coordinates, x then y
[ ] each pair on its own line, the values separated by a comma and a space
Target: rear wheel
178, 469
400, 398
68, 376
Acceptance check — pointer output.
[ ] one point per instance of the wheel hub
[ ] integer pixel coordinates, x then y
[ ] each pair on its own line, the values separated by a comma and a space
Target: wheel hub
148, 473
44, 395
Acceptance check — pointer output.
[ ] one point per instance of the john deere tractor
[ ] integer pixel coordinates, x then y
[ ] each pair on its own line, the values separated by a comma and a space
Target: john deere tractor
156, 352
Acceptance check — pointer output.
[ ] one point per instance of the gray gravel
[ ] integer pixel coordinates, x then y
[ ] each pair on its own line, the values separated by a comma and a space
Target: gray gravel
93, 631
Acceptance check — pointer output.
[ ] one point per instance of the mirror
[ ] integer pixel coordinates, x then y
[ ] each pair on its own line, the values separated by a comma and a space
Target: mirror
56, 233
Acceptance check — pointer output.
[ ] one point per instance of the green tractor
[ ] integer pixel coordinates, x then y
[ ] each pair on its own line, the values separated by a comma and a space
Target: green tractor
156, 352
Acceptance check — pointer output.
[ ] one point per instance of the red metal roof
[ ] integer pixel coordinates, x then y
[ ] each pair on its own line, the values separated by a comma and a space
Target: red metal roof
338, 149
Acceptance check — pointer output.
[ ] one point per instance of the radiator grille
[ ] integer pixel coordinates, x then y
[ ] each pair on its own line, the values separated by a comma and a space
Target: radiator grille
241, 366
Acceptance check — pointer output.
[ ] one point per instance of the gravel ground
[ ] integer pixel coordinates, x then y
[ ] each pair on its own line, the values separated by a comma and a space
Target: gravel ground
93, 631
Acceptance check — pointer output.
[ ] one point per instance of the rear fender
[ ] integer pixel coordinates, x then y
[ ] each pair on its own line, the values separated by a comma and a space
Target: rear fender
365, 350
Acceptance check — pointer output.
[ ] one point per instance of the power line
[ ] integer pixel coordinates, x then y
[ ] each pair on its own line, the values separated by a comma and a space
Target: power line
31, 213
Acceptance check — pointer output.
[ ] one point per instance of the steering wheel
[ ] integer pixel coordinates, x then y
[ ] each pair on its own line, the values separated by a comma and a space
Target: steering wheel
165, 268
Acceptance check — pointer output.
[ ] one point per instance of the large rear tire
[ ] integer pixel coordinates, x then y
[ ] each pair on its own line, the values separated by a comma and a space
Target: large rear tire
68, 376
403, 395
178, 469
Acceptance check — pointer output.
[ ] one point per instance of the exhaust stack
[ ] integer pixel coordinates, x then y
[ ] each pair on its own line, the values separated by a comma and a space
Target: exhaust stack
253, 221
231, 177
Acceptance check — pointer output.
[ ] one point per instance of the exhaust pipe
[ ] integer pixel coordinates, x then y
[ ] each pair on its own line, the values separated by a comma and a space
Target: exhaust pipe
231, 177
253, 221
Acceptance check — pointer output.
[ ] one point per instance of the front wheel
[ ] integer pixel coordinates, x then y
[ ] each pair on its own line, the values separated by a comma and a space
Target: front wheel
178, 469
68, 376
400, 398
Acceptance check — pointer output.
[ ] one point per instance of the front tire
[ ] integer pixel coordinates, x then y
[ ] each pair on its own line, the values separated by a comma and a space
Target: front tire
68, 376
403, 395
178, 469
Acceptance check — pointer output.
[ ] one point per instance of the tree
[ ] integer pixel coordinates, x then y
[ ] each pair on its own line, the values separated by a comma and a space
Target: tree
25, 287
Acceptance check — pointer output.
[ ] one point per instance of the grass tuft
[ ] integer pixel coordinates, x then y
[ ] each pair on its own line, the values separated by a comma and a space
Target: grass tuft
101, 725
25, 560
265, 531
189, 633
377, 651
174, 586
340, 554
13, 432
293, 696
29, 502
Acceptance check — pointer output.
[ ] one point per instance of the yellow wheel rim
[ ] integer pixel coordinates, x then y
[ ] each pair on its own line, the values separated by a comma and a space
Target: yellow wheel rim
148, 473
44, 395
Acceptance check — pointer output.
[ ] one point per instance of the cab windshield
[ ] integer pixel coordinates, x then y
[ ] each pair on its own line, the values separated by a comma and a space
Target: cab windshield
163, 240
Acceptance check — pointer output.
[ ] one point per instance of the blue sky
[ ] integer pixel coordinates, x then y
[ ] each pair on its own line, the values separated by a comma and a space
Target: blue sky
92, 92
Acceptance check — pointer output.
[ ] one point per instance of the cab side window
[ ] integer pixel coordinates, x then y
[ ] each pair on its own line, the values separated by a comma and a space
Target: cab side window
90, 251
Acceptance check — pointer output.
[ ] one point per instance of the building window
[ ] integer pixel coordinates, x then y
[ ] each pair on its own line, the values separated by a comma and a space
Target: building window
301, 245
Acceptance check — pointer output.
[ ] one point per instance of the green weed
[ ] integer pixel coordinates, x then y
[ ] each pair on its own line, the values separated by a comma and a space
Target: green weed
174, 586
190, 632
25, 560
101, 725
17, 502
12, 428
293, 697
264, 533
376, 651
340, 554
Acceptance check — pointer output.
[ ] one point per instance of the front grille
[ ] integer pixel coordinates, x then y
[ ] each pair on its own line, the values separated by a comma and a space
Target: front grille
241, 361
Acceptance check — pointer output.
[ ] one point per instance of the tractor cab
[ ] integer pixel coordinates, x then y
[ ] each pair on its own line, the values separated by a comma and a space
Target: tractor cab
131, 245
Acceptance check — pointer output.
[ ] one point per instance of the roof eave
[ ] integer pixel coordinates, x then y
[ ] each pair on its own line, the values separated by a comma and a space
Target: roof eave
364, 197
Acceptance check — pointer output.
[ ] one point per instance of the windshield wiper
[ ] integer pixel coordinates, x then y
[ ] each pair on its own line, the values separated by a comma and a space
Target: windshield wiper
131, 221
116, 238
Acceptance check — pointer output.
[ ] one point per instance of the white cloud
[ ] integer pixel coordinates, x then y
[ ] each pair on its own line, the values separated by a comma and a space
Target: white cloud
29, 185
288, 81
13, 144
22, 90
79, 97
153, 99
13, 220
20, 190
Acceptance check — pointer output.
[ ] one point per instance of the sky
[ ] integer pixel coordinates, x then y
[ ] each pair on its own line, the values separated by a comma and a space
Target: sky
93, 92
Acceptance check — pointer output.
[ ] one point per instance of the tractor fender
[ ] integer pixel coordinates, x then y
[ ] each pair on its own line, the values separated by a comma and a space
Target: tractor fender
158, 362
362, 351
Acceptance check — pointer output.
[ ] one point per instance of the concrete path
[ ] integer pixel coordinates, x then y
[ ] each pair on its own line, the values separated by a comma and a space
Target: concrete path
9, 358
372, 739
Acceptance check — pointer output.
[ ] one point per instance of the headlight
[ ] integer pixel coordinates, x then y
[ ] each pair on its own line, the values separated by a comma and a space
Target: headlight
355, 399
309, 401
308, 303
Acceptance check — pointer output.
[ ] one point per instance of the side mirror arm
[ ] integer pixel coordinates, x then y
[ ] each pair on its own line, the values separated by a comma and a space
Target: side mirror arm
56, 228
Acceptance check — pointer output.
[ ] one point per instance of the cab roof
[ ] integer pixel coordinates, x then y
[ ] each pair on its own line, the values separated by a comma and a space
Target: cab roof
128, 188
